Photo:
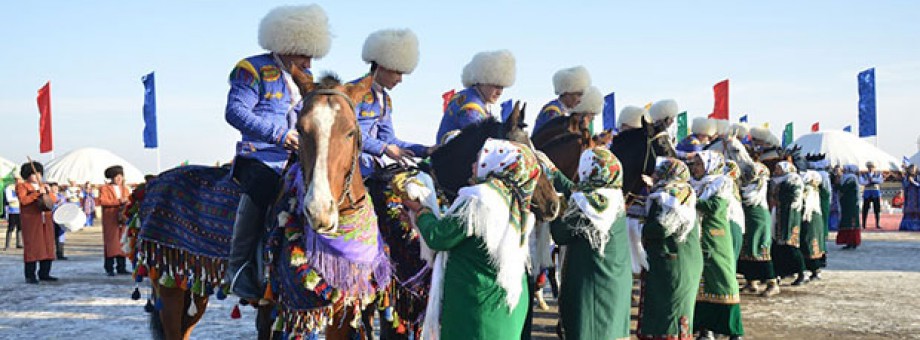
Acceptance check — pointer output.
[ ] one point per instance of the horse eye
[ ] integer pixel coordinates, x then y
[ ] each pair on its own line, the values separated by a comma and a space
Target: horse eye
351, 134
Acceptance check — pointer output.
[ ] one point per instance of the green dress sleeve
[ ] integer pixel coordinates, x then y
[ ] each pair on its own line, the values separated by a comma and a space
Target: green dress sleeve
442, 234
561, 229
562, 184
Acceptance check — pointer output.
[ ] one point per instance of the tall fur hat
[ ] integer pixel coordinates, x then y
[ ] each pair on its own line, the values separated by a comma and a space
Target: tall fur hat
722, 126
25, 170
739, 130
763, 134
663, 109
591, 102
490, 68
631, 116
573, 79
300, 30
394, 49
703, 126
113, 171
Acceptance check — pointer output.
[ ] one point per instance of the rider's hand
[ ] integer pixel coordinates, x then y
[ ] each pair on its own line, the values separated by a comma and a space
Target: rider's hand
431, 149
396, 153
292, 140
412, 205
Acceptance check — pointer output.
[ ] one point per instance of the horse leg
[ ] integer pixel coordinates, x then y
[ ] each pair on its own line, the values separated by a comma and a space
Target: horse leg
367, 319
189, 322
341, 329
173, 302
264, 322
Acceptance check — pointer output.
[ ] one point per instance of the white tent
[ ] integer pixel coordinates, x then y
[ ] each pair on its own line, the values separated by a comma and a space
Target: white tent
844, 148
88, 165
6, 166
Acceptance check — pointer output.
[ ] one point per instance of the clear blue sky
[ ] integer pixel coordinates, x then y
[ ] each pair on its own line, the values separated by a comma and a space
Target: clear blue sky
787, 60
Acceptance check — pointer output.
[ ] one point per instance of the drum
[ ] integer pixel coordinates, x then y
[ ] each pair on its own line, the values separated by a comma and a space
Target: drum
70, 216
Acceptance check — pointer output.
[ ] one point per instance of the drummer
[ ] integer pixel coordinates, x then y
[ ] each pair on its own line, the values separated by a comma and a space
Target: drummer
59, 236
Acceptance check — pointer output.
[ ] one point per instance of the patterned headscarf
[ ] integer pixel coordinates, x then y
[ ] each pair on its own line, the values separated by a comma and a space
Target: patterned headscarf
598, 168
850, 173
675, 196
732, 170
758, 178
787, 167
713, 162
598, 198
511, 169
713, 182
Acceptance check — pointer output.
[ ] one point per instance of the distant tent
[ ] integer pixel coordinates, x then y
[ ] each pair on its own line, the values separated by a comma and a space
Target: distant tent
88, 165
6, 166
844, 148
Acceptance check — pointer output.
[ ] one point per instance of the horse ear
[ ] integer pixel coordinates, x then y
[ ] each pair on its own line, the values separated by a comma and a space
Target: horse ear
357, 90
523, 112
304, 81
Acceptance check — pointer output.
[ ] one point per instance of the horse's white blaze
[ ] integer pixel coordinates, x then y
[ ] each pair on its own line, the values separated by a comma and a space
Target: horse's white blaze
320, 203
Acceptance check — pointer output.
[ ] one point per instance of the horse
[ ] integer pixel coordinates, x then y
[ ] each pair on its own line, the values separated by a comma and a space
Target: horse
733, 150
184, 238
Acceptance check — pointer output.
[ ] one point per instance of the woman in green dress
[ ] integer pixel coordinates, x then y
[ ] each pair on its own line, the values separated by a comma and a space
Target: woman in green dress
671, 237
812, 224
478, 288
718, 303
756, 263
788, 190
735, 208
596, 292
848, 231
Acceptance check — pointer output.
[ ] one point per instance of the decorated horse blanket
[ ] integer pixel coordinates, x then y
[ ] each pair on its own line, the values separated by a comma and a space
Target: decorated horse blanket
312, 273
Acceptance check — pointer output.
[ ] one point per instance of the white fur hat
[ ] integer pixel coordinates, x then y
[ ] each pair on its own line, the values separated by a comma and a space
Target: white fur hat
591, 102
631, 116
739, 130
491, 68
722, 126
663, 109
301, 30
703, 126
763, 134
394, 49
573, 79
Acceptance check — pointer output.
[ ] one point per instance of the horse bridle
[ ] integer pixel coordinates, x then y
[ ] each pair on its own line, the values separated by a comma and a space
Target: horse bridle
349, 176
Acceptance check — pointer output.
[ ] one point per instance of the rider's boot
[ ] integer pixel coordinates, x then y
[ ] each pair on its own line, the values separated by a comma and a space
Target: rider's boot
242, 267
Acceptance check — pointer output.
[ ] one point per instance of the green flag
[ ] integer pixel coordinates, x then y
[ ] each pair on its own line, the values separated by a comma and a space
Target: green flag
787, 135
682, 126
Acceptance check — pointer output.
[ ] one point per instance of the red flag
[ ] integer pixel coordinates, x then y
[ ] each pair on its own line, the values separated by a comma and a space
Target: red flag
44, 123
447, 96
720, 109
814, 127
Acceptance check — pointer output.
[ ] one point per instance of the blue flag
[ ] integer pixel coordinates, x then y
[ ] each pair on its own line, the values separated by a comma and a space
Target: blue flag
610, 113
507, 106
867, 103
848, 128
743, 119
150, 112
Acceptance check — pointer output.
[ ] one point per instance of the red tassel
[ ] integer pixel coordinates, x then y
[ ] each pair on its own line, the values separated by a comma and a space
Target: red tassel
142, 270
401, 329
236, 312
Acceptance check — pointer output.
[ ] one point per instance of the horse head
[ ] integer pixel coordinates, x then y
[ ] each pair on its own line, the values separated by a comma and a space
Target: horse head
732, 149
451, 162
329, 147
637, 149
563, 139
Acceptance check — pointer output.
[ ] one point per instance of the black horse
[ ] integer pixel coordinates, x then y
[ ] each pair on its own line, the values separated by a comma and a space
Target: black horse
637, 149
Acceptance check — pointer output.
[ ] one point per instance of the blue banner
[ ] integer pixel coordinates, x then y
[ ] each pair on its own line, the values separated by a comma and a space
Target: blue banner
867, 121
610, 113
507, 106
150, 112
743, 119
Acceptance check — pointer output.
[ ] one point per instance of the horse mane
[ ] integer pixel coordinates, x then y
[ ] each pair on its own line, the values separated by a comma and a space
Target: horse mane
329, 80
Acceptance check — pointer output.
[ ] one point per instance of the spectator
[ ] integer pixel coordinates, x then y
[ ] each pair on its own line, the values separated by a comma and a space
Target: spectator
910, 221
872, 193
12, 214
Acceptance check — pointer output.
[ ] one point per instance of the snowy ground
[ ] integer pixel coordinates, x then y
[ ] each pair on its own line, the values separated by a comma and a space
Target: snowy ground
871, 292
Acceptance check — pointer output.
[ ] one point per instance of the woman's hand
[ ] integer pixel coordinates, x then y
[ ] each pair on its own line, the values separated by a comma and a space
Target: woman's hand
413, 205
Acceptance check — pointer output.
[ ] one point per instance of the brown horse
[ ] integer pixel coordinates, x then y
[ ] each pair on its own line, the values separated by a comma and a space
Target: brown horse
328, 151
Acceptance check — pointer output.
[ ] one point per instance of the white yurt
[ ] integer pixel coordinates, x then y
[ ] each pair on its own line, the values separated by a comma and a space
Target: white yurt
88, 165
842, 148
915, 159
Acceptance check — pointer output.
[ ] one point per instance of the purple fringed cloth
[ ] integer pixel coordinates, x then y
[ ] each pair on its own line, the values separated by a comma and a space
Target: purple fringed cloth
310, 272
186, 222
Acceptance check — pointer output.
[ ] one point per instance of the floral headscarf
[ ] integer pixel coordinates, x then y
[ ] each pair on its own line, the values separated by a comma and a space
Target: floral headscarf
673, 193
850, 172
713, 162
713, 182
598, 196
787, 167
732, 170
598, 168
511, 169
758, 178
811, 194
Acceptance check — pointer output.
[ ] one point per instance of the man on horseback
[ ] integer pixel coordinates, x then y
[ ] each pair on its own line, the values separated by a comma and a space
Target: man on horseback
631, 118
263, 104
485, 77
570, 85
702, 131
391, 53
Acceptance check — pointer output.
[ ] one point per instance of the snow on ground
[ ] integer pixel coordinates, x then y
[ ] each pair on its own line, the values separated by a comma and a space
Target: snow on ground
871, 292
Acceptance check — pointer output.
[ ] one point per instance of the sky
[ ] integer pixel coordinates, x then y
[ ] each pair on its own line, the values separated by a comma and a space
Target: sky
787, 61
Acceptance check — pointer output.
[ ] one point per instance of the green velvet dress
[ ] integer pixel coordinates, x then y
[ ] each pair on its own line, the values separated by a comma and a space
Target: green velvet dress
787, 259
671, 283
474, 305
848, 231
718, 303
755, 262
813, 244
596, 293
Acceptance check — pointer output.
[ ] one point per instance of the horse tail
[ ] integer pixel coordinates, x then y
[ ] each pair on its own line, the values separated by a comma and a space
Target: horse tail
156, 326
